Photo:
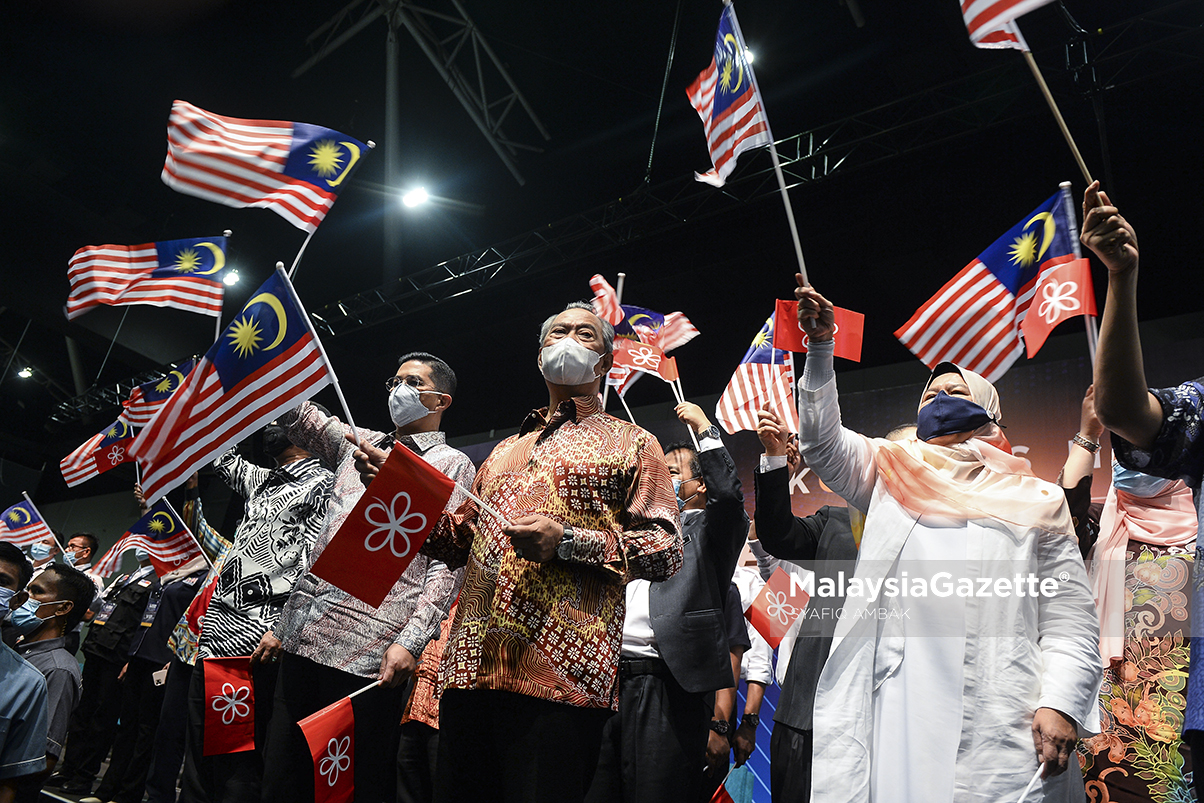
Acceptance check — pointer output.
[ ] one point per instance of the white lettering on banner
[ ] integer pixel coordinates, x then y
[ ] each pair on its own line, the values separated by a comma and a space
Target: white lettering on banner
796, 482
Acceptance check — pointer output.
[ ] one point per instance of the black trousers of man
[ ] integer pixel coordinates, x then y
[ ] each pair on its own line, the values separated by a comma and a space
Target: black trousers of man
306, 687
232, 777
169, 736
790, 763
653, 747
141, 700
510, 748
417, 752
92, 725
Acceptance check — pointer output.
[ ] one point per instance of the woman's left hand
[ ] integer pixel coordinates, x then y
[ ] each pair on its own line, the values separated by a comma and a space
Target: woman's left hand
1054, 735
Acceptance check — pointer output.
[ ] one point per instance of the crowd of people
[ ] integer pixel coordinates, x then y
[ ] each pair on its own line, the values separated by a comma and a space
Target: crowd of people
581, 638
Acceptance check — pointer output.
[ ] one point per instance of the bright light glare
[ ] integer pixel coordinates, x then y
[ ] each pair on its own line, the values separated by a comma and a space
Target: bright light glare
748, 55
231, 278
25, 373
415, 197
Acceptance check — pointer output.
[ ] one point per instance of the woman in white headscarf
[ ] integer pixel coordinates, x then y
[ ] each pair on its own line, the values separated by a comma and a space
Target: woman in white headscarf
957, 688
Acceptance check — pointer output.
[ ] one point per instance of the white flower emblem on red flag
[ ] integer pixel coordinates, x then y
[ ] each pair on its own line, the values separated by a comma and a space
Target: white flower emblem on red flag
116, 455
232, 703
778, 608
393, 526
336, 760
644, 357
1056, 298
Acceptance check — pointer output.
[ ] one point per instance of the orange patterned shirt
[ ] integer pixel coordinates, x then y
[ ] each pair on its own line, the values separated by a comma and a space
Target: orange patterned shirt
553, 630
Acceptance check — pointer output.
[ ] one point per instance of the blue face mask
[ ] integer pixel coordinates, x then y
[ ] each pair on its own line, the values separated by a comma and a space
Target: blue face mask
6, 595
1136, 483
681, 503
39, 551
949, 415
69, 558
25, 619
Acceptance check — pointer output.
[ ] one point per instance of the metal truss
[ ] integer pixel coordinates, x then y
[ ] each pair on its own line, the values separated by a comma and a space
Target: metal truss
106, 399
457, 50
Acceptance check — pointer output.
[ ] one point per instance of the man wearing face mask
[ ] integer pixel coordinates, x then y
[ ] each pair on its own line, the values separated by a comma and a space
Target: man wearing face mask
55, 601
531, 666
77, 553
334, 644
675, 645
110, 635
23, 698
285, 507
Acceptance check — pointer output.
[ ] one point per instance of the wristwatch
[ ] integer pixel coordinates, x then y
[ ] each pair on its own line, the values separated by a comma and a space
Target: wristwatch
710, 432
721, 726
564, 550
751, 719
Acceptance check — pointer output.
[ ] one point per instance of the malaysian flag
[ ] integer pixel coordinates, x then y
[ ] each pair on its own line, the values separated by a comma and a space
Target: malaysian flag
185, 274
267, 361
642, 325
765, 374
726, 97
22, 525
149, 397
294, 169
974, 320
161, 533
606, 300
103, 451
988, 20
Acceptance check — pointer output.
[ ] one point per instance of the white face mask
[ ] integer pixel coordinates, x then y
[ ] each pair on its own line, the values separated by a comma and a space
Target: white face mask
567, 362
405, 406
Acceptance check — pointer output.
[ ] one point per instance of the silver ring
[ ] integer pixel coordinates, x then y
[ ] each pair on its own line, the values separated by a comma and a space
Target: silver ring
518, 552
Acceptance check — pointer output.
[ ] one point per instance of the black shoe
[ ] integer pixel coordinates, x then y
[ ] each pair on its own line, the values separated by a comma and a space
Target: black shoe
56, 780
76, 787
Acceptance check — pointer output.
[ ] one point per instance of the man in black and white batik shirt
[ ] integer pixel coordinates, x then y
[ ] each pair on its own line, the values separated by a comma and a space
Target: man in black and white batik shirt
285, 508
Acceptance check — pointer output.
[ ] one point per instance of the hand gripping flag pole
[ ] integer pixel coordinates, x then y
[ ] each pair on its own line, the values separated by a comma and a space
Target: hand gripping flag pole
1089, 320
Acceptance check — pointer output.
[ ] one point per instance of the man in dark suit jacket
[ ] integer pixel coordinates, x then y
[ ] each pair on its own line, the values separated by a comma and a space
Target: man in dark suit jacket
675, 650
825, 542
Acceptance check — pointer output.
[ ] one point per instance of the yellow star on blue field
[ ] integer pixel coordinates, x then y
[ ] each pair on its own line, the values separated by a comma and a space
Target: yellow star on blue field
156, 526
14, 517
187, 260
1024, 249
114, 432
326, 158
245, 336
164, 384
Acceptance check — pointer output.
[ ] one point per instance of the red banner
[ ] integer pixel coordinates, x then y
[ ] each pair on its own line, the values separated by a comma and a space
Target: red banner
789, 336
777, 606
384, 531
229, 705
330, 734
645, 357
1062, 293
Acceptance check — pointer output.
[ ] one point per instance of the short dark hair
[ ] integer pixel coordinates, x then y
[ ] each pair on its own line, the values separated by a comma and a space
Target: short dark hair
695, 465
442, 376
10, 553
93, 543
73, 585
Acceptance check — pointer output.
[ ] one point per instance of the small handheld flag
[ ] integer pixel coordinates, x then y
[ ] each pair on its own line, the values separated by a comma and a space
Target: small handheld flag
149, 397
989, 21
103, 451
1062, 293
294, 169
789, 336
229, 706
185, 274
776, 607
162, 534
644, 357
22, 525
330, 734
765, 374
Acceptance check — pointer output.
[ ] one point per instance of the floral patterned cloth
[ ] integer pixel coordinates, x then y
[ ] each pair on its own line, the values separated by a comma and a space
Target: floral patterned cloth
1138, 754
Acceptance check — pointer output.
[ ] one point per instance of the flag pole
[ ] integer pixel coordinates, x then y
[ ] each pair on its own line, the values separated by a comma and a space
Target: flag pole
619, 301
191, 534
334, 379
297, 261
1071, 215
112, 343
773, 153
217, 334
623, 401
681, 399
40, 516
1053, 107
483, 505
369, 687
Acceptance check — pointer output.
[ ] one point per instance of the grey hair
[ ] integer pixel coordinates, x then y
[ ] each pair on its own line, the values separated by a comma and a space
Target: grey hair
608, 331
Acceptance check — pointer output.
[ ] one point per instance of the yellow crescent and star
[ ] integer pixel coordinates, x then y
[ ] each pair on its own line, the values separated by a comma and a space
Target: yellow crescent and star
189, 260
15, 516
326, 159
245, 334
118, 430
731, 58
166, 383
1024, 250
157, 525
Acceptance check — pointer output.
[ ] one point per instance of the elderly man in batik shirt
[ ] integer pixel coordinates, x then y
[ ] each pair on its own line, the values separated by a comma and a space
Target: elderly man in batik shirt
530, 669
333, 643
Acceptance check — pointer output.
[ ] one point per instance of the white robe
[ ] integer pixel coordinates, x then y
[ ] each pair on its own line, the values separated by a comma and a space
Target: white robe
945, 719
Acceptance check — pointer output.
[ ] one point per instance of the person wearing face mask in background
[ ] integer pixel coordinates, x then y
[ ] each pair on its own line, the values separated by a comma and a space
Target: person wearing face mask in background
54, 603
24, 712
110, 635
531, 666
334, 644
77, 553
285, 507
674, 652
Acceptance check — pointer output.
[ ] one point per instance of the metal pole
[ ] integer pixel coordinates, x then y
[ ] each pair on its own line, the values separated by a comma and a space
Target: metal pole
393, 218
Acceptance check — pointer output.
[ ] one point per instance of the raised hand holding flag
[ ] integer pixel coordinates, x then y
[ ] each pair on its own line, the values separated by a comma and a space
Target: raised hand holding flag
774, 610
789, 336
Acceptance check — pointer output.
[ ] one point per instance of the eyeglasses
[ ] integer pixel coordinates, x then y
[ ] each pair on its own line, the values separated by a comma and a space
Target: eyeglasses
393, 382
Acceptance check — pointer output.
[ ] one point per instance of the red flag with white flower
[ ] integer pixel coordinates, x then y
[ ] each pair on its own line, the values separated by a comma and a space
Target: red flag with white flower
645, 357
330, 734
774, 610
1063, 291
789, 336
105, 450
384, 531
229, 705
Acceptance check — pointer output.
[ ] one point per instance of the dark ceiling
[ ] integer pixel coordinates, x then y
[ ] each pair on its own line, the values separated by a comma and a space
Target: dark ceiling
87, 88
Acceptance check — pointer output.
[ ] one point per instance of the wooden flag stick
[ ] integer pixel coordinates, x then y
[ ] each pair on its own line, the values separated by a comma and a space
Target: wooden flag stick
619, 301
483, 505
1053, 107
1089, 320
112, 343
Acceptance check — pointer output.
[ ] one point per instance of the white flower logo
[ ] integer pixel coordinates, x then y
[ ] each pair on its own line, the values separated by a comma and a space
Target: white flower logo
336, 760
644, 357
778, 608
1056, 298
116, 455
232, 703
394, 525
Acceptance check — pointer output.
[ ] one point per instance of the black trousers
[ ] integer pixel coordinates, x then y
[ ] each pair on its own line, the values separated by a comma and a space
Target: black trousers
654, 747
232, 777
790, 764
141, 700
169, 736
504, 747
306, 687
92, 725
417, 751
